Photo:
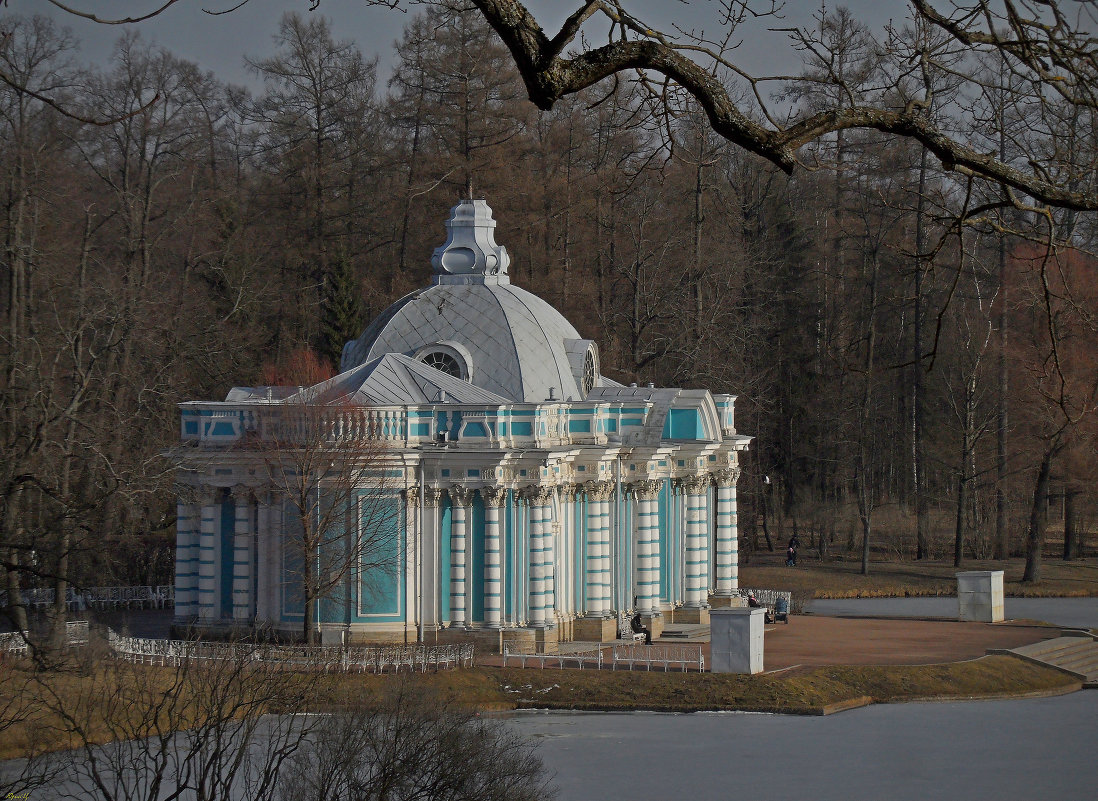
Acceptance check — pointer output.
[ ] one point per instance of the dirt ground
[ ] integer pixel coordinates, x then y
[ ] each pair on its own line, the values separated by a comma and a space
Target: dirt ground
809, 640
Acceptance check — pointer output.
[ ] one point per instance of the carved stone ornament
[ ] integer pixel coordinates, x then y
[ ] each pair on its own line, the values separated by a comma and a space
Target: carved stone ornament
432, 496
411, 495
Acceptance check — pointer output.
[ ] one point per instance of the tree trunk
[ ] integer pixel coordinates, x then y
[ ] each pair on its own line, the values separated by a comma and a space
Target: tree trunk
918, 463
1038, 519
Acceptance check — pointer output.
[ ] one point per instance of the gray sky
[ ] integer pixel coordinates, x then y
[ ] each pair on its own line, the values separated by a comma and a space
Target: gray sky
219, 43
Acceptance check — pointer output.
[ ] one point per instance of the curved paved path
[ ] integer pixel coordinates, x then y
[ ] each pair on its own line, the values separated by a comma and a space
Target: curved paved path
1071, 612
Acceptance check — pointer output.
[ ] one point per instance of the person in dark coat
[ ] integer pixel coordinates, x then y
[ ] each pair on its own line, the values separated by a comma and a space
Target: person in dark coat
639, 628
791, 556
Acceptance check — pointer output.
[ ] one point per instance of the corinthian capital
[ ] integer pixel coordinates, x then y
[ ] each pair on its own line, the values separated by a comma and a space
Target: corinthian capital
538, 495
432, 496
695, 485
598, 490
726, 477
646, 490
460, 496
493, 496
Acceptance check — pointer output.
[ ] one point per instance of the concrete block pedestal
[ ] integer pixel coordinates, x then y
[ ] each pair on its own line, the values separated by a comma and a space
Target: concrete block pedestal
654, 624
736, 644
980, 596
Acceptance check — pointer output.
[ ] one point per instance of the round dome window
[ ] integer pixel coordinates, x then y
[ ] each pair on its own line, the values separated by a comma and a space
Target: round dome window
444, 362
588, 373
447, 357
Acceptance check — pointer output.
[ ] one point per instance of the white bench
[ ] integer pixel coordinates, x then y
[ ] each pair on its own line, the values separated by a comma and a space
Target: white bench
778, 603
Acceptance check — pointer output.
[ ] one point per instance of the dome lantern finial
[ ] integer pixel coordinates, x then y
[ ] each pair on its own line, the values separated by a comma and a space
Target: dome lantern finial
470, 251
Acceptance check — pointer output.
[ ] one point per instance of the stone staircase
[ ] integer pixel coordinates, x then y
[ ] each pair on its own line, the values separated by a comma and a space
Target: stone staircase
685, 631
1073, 651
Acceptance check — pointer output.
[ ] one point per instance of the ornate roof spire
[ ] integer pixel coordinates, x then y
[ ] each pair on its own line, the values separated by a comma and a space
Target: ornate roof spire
470, 253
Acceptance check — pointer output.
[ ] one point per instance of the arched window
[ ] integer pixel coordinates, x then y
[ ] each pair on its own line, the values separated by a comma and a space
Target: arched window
443, 361
588, 373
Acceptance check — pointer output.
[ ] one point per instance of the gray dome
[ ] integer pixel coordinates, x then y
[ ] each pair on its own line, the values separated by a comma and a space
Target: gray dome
476, 325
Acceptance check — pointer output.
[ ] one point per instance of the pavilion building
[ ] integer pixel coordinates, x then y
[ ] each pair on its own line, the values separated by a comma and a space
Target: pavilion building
529, 497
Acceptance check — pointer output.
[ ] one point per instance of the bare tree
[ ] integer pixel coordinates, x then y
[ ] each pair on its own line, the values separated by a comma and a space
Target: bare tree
411, 744
324, 454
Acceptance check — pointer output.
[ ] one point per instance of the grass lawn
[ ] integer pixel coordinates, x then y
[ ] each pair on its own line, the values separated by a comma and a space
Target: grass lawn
799, 691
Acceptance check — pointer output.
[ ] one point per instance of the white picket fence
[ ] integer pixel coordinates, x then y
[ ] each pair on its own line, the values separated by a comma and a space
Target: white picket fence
321, 659
612, 656
101, 598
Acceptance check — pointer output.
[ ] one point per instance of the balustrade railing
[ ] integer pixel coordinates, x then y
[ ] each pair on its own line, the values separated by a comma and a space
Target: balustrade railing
322, 659
137, 597
611, 656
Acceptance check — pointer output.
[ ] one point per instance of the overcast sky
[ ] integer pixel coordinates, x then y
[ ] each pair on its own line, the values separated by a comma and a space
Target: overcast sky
219, 43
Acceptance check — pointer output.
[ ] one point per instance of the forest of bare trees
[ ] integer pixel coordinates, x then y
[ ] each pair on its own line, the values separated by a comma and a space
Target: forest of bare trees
912, 349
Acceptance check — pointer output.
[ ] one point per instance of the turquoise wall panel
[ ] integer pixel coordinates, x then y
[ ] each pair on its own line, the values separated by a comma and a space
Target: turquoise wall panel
381, 590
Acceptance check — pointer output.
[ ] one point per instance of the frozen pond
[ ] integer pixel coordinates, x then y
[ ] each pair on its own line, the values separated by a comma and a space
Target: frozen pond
1025, 750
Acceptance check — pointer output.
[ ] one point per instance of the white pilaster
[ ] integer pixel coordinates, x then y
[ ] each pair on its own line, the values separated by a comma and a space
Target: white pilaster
493, 573
208, 557
727, 569
459, 510
242, 555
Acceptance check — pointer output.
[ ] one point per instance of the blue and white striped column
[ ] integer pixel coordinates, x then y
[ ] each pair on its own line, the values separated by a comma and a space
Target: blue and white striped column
242, 555
727, 556
597, 566
493, 572
541, 558
209, 526
697, 546
459, 511
187, 523
648, 547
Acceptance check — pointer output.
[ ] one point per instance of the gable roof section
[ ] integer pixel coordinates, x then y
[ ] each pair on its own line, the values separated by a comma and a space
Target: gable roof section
395, 380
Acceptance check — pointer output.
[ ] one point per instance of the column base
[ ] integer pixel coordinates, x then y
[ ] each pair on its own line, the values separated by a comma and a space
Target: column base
595, 629
735, 601
694, 615
654, 624
547, 638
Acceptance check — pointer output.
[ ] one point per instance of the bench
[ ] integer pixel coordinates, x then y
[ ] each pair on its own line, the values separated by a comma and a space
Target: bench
776, 602
625, 629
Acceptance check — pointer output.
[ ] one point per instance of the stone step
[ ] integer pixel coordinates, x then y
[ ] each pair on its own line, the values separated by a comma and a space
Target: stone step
684, 631
1076, 654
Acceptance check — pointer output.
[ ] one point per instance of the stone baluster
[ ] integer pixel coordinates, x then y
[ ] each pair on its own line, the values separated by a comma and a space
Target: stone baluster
648, 546
459, 498
493, 575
